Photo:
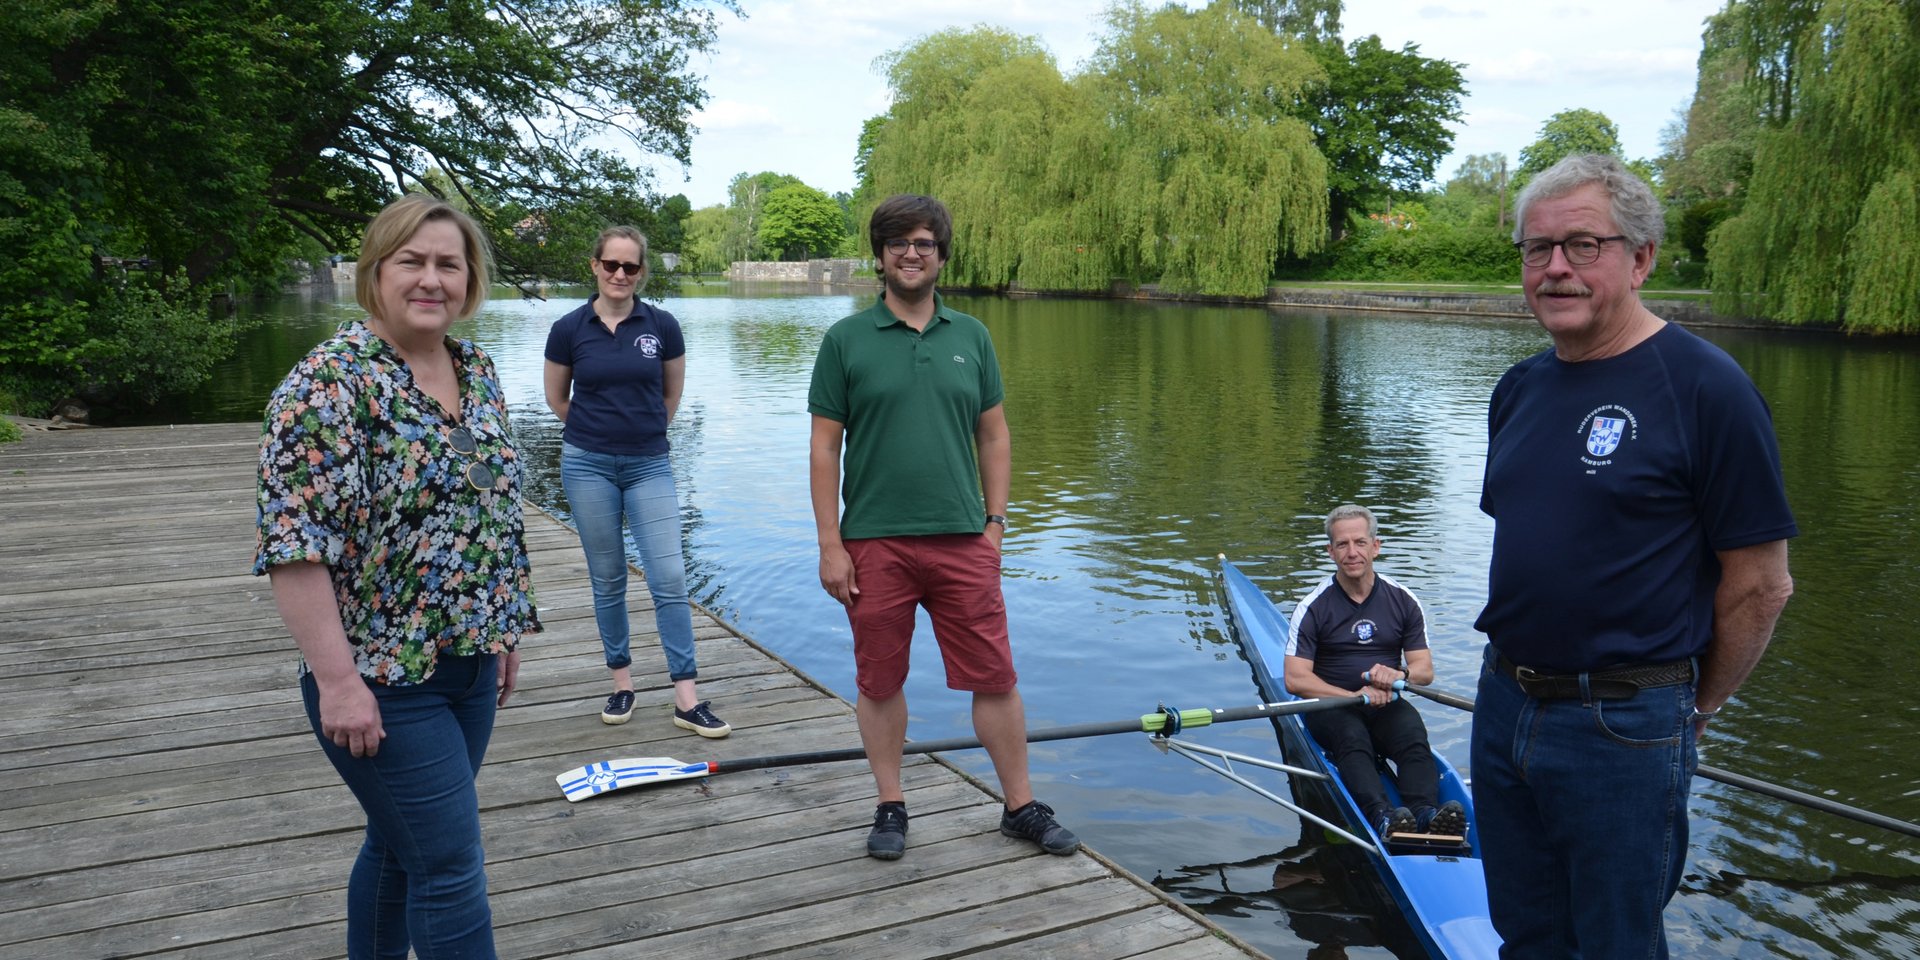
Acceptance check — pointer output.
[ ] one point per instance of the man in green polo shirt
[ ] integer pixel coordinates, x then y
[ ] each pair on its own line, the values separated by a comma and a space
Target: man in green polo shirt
911, 390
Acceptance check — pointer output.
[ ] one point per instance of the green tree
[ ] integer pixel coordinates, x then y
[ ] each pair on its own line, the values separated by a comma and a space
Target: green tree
1826, 233
1477, 195
705, 247
746, 198
1565, 133
1211, 177
798, 222
1381, 120
215, 137
1315, 21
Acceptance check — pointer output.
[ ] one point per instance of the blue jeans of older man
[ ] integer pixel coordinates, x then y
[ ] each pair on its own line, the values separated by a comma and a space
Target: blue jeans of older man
609, 495
420, 879
1581, 807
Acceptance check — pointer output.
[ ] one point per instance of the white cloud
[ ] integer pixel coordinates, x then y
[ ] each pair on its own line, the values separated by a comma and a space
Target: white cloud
733, 115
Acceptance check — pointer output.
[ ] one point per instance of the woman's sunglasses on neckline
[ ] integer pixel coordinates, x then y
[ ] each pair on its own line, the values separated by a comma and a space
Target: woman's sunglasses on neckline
480, 476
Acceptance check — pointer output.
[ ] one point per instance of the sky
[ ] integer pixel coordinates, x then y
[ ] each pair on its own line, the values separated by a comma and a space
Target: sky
791, 82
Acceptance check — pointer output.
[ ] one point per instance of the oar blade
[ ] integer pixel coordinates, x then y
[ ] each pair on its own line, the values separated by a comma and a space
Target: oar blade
607, 776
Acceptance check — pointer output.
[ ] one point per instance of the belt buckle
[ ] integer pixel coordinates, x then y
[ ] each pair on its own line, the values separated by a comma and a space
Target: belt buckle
1527, 674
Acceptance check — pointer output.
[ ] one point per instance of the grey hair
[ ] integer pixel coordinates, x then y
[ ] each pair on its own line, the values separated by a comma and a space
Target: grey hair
1349, 511
1636, 213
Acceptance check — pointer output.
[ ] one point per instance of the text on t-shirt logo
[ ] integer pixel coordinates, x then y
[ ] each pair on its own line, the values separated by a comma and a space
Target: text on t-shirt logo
648, 343
959, 359
1363, 630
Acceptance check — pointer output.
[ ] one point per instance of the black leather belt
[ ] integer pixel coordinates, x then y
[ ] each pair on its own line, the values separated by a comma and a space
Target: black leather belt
1613, 683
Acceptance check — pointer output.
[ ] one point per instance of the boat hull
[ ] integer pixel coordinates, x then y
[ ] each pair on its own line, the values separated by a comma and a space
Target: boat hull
1444, 896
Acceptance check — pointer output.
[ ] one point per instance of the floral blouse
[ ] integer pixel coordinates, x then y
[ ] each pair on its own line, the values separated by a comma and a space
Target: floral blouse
359, 471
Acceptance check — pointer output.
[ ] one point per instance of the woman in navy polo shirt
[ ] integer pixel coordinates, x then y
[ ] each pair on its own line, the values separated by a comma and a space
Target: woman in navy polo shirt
614, 370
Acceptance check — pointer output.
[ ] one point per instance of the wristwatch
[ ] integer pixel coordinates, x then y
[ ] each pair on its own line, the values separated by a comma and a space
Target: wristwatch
997, 518
1699, 714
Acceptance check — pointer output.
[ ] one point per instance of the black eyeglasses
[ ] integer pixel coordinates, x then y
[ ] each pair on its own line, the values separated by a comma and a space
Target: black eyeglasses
620, 266
1580, 249
480, 476
898, 247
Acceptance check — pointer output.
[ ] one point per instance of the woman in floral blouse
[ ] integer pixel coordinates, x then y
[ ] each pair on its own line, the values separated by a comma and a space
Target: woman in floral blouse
390, 525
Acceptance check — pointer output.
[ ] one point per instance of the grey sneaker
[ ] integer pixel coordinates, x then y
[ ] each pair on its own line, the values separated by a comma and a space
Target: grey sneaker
619, 707
701, 720
888, 839
1035, 822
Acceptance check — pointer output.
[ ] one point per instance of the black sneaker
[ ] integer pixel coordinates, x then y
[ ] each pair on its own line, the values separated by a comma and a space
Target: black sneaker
701, 720
1448, 821
619, 707
1035, 822
1396, 820
888, 839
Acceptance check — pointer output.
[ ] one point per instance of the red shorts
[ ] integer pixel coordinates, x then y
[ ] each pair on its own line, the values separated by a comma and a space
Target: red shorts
957, 578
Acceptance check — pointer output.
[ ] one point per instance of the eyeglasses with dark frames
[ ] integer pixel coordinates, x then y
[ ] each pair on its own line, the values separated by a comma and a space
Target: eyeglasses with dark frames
620, 266
924, 247
1579, 248
479, 476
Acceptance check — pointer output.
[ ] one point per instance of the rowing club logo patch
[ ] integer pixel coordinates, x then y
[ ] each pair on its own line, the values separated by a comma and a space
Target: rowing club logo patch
648, 343
1604, 437
1607, 428
1364, 631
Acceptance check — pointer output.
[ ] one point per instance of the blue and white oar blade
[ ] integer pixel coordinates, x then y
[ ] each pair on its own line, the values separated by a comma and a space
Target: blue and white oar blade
610, 775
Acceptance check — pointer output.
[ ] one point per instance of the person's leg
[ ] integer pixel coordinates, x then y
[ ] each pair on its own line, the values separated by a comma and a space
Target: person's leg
424, 813
881, 617
1627, 844
1528, 891
376, 885
969, 615
653, 514
1399, 735
1343, 735
593, 493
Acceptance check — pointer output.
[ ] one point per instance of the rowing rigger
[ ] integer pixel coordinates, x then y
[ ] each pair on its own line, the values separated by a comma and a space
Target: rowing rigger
610, 775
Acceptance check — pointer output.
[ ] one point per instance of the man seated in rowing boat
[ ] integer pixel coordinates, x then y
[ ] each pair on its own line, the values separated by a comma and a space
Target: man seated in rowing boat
1348, 637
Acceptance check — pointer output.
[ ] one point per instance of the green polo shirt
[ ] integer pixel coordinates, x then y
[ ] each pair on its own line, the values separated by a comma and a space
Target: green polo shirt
909, 400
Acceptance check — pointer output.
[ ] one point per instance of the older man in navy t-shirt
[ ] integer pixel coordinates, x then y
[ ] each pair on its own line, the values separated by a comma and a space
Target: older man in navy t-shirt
1639, 564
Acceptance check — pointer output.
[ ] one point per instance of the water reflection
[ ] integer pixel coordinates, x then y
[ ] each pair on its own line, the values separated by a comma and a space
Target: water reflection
1149, 438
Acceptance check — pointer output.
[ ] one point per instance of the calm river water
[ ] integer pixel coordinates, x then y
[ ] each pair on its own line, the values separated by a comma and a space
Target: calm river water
1148, 439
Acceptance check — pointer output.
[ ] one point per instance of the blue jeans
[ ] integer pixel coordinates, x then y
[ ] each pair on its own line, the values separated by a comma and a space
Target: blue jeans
420, 879
610, 494
1582, 812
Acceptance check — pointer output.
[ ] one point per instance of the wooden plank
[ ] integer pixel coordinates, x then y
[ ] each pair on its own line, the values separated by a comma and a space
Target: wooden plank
163, 795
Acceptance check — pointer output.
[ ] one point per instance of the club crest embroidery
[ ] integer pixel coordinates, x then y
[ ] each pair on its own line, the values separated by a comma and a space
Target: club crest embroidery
1604, 436
1364, 631
648, 343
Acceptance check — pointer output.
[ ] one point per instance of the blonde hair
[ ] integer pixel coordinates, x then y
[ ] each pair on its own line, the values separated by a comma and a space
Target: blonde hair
395, 225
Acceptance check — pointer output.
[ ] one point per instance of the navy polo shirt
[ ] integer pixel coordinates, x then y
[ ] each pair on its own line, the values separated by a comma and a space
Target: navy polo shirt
619, 403
1611, 484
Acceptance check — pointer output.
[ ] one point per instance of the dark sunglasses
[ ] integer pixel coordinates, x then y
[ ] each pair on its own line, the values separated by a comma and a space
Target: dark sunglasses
480, 476
620, 266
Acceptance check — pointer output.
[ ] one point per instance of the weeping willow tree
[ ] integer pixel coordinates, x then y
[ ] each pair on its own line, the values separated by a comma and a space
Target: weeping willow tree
971, 124
1826, 234
1171, 158
1211, 177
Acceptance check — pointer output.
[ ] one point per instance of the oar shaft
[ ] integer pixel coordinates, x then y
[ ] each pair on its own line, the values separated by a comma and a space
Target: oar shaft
1732, 779
1147, 723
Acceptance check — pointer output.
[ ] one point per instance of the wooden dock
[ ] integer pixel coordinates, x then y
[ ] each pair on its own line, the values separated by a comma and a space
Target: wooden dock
161, 794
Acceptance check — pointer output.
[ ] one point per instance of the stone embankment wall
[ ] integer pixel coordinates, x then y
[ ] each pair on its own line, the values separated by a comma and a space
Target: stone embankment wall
797, 271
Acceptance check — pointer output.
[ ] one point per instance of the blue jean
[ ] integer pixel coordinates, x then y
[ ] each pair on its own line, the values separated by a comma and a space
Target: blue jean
1581, 807
420, 879
609, 495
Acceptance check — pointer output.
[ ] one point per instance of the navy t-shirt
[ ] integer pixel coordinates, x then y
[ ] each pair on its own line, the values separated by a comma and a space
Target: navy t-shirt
1612, 483
619, 403
1346, 639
